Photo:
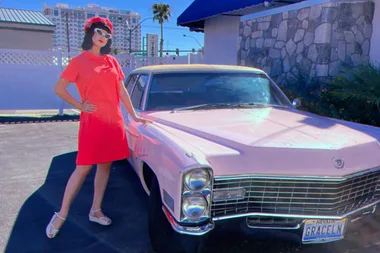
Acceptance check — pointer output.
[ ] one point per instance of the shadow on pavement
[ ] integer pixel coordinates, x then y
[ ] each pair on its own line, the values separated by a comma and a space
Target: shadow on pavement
127, 204
124, 201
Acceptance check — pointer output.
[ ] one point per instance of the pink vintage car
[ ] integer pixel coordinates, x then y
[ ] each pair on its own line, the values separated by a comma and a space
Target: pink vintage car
228, 147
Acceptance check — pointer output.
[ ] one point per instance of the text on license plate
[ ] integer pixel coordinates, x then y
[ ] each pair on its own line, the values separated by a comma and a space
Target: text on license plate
323, 230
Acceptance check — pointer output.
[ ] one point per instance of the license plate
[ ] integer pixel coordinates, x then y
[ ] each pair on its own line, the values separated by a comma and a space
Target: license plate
317, 231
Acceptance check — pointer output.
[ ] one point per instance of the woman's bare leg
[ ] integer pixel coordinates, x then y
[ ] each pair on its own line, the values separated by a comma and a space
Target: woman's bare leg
100, 185
72, 188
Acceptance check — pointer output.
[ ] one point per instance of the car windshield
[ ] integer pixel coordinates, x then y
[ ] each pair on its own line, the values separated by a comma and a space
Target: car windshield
171, 91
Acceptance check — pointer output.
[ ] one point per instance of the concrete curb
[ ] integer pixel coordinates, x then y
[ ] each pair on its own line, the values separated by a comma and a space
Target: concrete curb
7, 120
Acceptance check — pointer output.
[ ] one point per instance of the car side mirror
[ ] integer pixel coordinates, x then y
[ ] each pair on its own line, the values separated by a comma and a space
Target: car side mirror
296, 103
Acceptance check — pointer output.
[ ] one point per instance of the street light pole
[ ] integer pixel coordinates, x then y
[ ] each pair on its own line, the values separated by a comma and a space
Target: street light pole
67, 34
131, 30
130, 41
194, 39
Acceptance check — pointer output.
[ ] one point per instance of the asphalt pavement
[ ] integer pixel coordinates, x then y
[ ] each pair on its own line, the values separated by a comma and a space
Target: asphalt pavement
36, 160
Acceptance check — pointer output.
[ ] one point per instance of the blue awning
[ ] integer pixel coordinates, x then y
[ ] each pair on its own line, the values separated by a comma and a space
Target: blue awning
195, 15
200, 10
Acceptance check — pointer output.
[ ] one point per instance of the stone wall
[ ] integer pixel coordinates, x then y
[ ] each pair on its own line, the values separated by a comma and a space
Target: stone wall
314, 41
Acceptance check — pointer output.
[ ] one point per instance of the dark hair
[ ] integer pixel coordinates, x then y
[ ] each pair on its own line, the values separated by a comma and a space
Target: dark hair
87, 40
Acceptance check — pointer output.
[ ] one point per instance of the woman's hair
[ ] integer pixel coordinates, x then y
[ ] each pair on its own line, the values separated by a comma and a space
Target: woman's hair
88, 43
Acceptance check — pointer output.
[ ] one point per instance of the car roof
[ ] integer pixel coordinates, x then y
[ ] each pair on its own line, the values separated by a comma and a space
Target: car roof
170, 68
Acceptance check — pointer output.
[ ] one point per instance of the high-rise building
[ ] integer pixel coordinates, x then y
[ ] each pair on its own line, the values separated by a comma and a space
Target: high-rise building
70, 25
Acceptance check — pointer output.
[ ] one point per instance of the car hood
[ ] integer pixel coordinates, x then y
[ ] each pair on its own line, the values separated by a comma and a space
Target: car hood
273, 141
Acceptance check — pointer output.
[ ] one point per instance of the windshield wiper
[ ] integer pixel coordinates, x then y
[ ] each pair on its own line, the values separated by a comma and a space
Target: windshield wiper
260, 105
202, 106
248, 105
224, 105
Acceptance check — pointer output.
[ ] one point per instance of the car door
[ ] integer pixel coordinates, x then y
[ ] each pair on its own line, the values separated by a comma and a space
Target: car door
132, 126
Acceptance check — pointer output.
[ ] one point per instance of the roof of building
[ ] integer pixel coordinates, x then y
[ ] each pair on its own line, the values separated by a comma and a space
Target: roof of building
165, 68
24, 17
195, 15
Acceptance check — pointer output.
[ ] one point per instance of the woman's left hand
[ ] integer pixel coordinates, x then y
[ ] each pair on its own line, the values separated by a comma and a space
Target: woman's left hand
144, 121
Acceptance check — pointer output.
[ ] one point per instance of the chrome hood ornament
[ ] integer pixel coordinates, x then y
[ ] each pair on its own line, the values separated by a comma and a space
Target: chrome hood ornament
338, 163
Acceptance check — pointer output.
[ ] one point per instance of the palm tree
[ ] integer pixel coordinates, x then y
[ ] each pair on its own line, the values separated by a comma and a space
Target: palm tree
161, 13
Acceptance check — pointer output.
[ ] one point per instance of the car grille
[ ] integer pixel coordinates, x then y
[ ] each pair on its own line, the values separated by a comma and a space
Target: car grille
307, 197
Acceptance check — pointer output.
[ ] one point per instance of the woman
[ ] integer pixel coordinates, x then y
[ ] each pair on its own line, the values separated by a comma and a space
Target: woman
101, 138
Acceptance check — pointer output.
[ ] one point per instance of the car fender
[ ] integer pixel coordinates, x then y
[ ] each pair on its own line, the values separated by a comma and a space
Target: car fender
169, 158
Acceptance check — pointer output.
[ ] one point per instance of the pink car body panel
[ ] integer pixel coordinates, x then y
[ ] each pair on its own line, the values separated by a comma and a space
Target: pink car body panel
269, 141
272, 141
259, 141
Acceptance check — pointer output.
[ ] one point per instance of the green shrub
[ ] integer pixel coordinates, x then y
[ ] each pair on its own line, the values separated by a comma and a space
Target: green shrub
352, 95
355, 94
309, 91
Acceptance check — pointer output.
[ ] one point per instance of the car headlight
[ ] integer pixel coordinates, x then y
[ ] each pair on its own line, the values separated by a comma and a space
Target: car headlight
194, 206
196, 180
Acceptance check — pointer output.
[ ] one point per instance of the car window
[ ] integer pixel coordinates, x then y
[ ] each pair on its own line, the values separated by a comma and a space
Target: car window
129, 84
138, 91
174, 90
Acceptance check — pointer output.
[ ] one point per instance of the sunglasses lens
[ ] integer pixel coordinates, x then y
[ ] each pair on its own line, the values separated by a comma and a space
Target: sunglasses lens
105, 35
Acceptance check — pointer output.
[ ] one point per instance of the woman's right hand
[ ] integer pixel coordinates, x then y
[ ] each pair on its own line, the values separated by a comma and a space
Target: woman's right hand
88, 108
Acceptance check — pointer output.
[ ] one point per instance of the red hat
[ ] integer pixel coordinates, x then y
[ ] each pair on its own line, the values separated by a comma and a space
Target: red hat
93, 20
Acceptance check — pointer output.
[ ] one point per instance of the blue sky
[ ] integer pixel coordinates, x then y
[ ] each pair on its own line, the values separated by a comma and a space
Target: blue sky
173, 34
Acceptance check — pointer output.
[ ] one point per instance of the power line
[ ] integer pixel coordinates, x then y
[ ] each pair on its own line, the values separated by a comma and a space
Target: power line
165, 27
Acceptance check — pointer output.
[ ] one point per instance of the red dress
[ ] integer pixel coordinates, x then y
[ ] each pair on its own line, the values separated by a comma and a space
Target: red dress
101, 136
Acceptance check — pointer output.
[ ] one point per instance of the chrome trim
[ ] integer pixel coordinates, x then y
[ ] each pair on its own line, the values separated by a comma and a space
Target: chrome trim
281, 177
203, 192
296, 215
196, 230
228, 189
299, 224
276, 228
301, 197
276, 86
145, 92
364, 214
206, 192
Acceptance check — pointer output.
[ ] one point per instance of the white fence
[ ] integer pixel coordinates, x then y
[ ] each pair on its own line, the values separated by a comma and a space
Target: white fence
27, 78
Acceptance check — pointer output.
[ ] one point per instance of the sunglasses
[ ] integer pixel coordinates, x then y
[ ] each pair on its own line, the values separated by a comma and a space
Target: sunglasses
105, 35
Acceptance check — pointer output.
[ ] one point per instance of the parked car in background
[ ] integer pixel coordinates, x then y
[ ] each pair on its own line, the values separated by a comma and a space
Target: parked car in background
227, 147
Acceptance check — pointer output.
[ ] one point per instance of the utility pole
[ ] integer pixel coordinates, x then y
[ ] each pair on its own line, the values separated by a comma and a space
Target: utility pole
131, 30
67, 34
130, 41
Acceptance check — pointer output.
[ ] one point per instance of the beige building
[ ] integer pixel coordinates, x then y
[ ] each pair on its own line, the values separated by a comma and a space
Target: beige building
24, 29
152, 45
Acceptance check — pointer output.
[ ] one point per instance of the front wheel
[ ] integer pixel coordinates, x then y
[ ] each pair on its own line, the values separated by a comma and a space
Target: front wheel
162, 236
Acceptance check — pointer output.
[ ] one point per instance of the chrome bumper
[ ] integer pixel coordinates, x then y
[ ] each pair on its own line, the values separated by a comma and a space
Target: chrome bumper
196, 230
322, 217
205, 228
